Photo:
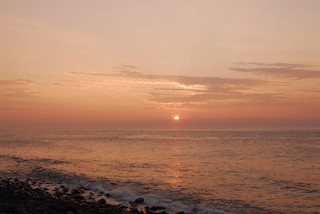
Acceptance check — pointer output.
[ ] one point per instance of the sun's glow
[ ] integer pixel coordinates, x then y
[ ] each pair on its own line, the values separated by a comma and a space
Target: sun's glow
176, 117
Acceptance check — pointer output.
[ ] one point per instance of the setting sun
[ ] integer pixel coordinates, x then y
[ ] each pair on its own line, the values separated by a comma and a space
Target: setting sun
176, 117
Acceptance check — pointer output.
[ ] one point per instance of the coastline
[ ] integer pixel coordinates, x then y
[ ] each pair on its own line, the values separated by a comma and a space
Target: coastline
24, 196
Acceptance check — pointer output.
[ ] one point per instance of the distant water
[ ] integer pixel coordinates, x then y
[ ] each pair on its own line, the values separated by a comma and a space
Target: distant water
194, 171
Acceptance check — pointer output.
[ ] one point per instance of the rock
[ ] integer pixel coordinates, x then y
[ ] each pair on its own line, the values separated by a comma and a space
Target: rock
39, 209
65, 191
139, 200
107, 195
156, 208
75, 192
20, 160
79, 197
101, 201
180, 212
20, 197
135, 211
57, 194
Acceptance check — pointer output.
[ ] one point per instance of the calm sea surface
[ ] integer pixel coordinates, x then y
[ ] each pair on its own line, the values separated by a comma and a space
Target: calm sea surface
194, 171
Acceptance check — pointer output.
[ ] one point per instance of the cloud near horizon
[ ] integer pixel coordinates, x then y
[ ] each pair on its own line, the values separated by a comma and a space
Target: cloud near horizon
280, 70
178, 90
18, 93
16, 82
17, 88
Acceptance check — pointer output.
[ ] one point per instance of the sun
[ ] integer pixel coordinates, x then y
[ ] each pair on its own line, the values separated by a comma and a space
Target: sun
176, 117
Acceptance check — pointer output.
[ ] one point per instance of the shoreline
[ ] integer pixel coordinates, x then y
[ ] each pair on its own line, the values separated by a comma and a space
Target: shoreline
21, 196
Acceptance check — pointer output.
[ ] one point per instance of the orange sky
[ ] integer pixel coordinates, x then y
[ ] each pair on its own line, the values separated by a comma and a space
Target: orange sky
136, 64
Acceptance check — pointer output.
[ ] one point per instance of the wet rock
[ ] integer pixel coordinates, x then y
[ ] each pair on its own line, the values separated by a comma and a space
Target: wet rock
149, 212
65, 191
79, 197
20, 197
101, 201
156, 208
57, 194
75, 192
139, 201
135, 211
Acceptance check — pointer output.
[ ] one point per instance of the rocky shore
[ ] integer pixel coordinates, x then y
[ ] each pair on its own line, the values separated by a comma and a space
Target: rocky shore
24, 196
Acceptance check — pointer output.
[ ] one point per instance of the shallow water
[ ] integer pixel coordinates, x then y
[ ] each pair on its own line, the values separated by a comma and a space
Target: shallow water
194, 171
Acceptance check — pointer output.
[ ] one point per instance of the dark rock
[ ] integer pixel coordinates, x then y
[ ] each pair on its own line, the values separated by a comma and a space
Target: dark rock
65, 190
101, 201
19, 197
107, 195
134, 211
75, 192
58, 194
156, 208
180, 212
79, 197
139, 200
39, 209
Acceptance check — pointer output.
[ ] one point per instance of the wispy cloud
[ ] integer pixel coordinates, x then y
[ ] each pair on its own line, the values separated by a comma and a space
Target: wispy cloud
17, 88
18, 93
209, 82
280, 70
204, 97
16, 82
178, 90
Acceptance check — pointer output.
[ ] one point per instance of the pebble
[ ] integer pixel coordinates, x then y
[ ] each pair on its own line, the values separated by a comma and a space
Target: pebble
139, 200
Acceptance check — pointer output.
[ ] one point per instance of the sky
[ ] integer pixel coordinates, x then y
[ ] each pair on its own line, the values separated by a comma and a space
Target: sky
138, 63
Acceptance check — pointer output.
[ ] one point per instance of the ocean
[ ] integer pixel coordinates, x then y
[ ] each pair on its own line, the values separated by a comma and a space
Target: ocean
195, 171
